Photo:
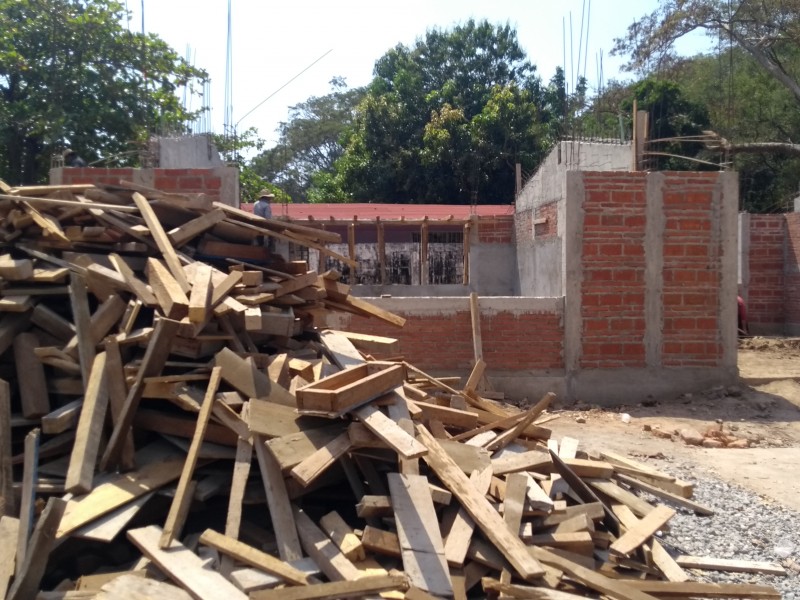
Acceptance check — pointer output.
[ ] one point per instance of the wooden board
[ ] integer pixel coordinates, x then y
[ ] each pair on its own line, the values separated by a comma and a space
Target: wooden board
254, 557
318, 546
182, 234
179, 508
7, 499
184, 567
341, 349
162, 241
364, 586
109, 526
478, 507
645, 528
31, 377
729, 565
27, 500
421, 543
90, 430
344, 391
319, 461
664, 495
133, 587
390, 432
9, 530
371, 344
200, 298
459, 535
280, 509
691, 589
169, 293
343, 536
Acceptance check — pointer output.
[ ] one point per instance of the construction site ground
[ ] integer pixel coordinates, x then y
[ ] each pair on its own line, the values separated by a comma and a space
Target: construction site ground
764, 407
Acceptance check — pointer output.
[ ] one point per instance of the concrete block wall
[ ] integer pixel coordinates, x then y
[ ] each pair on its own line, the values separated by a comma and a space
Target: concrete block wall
221, 183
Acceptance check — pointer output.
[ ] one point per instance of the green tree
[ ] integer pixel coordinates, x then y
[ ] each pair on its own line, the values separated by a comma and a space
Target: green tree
446, 120
309, 143
72, 75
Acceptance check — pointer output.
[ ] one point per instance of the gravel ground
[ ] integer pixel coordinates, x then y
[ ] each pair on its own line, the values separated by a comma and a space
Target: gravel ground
744, 526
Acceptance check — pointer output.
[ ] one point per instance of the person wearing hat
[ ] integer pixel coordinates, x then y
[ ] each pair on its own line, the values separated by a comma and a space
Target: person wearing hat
71, 158
262, 207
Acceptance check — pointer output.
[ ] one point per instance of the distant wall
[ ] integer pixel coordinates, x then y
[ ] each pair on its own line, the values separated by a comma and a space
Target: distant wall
221, 183
186, 152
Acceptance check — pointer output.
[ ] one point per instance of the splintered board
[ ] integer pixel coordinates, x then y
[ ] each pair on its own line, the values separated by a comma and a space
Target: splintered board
343, 391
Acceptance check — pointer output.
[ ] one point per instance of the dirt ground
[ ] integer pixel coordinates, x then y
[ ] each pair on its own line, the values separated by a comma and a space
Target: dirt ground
763, 408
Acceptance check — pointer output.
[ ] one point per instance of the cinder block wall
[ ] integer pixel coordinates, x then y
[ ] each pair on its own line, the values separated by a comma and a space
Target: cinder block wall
221, 183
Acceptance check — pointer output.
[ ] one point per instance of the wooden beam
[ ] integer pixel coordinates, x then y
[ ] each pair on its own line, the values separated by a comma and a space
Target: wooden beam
729, 565
459, 536
117, 392
421, 543
200, 298
90, 430
162, 241
253, 557
31, 377
484, 515
280, 509
31, 569
343, 536
182, 234
370, 585
319, 461
184, 567
664, 495
171, 298
79, 300
142, 291
318, 546
390, 432
27, 509
692, 589
155, 357
9, 530
177, 510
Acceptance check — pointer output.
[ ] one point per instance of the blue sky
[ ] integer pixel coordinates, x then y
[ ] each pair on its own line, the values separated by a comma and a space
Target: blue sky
274, 41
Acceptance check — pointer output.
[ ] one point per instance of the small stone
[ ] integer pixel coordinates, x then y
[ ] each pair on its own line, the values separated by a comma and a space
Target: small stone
580, 419
734, 390
734, 428
666, 435
712, 443
647, 427
691, 437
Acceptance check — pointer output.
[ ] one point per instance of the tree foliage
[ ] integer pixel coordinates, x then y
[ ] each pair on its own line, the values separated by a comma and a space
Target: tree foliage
445, 121
72, 75
309, 142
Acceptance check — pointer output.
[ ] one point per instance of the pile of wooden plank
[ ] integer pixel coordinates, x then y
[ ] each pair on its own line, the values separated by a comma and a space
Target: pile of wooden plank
177, 424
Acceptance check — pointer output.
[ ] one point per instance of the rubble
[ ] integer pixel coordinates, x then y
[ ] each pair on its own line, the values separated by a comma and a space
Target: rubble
177, 422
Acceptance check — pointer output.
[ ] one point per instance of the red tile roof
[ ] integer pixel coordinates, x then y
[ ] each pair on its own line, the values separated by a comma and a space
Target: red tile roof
386, 212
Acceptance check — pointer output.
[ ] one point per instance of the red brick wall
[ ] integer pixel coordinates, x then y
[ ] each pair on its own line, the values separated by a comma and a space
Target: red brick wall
692, 267
765, 290
792, 273
549, 228
188, 181
613, 287
512, 341
499, 230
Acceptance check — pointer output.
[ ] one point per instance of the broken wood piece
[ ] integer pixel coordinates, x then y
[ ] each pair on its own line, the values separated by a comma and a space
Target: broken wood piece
421, 543
644, 529
390, 432
459, 535
9, 531
315, 464
508, 436
253, 557
729, 565
171, 297
478, 507
371, 344
15, 269
200, 298
182, 234
318, 546
90, 430
27, 503
342, 535
184, 567
31, 377
178, 509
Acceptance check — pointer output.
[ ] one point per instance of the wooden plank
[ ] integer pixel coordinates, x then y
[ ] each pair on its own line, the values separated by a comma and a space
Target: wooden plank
318, 462
280, 509
171, 297
200, 298
31, 377
374, 311
178, 509
513, 507
117, 392
79, 300
343, 536
142, 291
243, 375
254, 557
109, 526
421, 543
390, 432
620, 590
9, 531
62, 419
524, 461
478, 507
729, 565
318, 546
27, 499
507, 590
644, 529
15, 269
692, 589
90, 430
182, 234
508, 436
341, 349
133, 587
107, 315
52, 322
160, 466
152, 363
184, 567
586, 468
664, 495
460, 533
31, 570
666, 564
463, 419
475, 319
8, 502
327, 397
365, 586
162, 241
610, 489
371, 344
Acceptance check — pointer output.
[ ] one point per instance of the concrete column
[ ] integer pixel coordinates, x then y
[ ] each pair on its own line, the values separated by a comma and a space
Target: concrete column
572, 273
743, 280
654, 269
726, 197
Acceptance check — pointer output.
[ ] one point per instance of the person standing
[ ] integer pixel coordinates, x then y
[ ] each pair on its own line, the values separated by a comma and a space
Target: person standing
263, 206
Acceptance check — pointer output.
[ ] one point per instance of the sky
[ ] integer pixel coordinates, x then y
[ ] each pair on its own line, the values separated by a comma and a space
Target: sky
273, 42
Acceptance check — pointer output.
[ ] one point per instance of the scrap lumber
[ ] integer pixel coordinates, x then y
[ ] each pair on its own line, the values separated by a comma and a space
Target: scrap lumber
9, 530
364, 586
7, 498
730, 565
343, 536
27, 503
30, 373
